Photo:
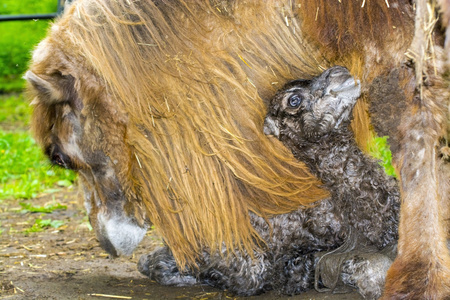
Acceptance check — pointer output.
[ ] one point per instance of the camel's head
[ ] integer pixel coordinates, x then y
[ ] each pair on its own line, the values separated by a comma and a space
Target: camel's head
79, 128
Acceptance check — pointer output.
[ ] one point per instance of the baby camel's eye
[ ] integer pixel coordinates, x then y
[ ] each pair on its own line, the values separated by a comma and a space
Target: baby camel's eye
294, 101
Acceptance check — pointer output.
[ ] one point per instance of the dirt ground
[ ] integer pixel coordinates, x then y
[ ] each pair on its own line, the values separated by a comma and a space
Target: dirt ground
67, 262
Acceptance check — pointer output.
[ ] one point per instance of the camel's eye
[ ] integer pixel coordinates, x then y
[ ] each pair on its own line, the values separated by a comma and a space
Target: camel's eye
294, 100
57, 159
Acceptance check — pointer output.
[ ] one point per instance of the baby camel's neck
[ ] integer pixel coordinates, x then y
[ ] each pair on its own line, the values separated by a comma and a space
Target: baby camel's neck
357, 183
337, 161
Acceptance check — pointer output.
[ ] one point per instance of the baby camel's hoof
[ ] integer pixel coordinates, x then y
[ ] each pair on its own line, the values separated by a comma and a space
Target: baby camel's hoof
363, 268
367, 273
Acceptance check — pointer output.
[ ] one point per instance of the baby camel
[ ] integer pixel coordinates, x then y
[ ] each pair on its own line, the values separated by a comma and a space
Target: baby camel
338, 240
312, 118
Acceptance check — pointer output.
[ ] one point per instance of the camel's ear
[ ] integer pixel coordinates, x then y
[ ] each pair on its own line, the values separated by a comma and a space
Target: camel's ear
44, 86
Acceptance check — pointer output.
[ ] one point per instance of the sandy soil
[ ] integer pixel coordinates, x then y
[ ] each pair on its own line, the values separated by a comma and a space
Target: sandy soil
67, 263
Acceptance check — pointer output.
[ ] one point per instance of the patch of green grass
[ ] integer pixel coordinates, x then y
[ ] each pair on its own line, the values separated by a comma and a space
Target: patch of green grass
14, 7
380, 150
49, 208
41, 224
15, 111
18, 38
24, 171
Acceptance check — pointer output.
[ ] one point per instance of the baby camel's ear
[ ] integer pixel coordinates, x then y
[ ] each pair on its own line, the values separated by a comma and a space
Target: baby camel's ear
45, 86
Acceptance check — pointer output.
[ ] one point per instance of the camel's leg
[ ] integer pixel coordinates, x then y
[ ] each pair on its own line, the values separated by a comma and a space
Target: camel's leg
444, 189
422, 267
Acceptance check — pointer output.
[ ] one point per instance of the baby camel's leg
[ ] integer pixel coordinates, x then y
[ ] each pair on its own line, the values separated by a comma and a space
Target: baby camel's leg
161, 267
241, 274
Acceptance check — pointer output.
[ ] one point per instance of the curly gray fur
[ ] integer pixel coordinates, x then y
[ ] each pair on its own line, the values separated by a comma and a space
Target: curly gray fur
331, 246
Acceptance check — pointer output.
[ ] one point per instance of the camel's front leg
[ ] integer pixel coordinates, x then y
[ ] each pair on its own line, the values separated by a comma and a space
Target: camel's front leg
422, 267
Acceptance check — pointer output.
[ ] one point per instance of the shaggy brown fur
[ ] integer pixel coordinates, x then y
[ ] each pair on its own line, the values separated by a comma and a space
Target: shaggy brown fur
166, 99
193, 173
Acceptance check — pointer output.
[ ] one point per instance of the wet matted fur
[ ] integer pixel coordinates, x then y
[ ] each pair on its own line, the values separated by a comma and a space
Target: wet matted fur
159, 105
